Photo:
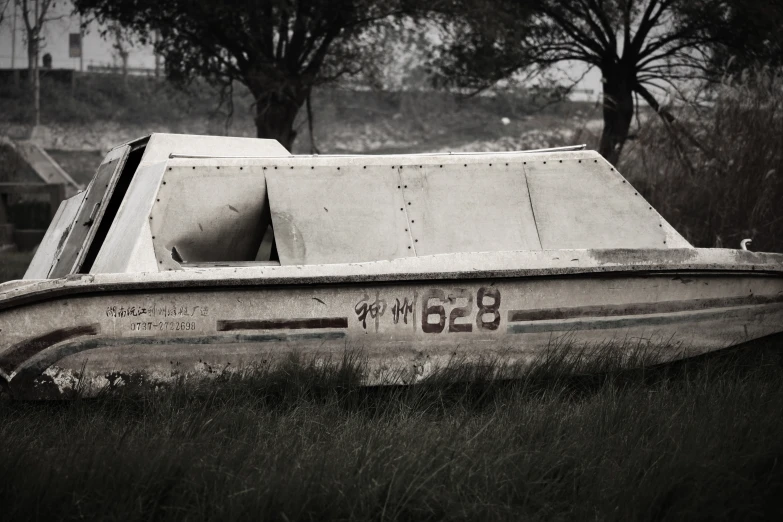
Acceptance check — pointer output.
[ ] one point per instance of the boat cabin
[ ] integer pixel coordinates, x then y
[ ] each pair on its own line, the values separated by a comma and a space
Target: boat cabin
177, 202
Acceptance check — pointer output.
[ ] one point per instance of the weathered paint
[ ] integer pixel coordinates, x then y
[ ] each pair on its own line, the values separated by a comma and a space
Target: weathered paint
330, 214
409, 261
208, 215
474, 206
162, 146
583, 202
167, 335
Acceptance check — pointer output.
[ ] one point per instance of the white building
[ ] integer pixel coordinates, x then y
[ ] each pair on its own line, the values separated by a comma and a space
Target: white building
96, 50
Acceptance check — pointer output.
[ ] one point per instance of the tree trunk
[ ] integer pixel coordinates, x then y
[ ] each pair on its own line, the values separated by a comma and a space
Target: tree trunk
36, 93
32, 57
275, 118
33, 75
124, 57
618, 112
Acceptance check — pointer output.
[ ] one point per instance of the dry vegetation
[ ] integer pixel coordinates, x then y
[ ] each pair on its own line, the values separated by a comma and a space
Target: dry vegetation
698, 440
718, 177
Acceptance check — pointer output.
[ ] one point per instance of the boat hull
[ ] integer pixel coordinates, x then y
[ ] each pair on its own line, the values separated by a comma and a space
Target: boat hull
59, 345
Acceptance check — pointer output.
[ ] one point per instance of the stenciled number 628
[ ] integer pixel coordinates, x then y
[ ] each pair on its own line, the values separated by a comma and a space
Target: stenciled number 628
434, 301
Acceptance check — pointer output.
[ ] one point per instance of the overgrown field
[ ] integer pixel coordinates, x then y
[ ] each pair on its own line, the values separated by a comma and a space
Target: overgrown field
699, 440
696, 440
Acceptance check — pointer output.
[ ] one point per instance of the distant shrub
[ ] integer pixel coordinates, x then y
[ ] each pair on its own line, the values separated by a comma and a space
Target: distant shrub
717, 173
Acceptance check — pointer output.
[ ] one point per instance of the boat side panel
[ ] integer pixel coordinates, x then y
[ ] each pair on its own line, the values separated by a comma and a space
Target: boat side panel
582, 203
209, 214
487, 265
327, 215
403, 330
469, 207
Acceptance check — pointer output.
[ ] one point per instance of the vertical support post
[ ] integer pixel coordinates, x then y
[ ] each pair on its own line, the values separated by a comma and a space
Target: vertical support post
6, 227
13, 39
81, 45
36, 72
3, 209
14, 72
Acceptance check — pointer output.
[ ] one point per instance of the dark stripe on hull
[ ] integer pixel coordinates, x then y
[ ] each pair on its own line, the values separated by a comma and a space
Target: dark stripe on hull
548, 314
629, 322
282, 324
23, 350
27, 375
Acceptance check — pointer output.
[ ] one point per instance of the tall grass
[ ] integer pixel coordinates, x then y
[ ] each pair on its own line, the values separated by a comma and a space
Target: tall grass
717, 175
694, 440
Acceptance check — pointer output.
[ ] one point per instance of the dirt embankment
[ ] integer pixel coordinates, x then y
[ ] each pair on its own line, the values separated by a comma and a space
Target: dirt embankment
98, 112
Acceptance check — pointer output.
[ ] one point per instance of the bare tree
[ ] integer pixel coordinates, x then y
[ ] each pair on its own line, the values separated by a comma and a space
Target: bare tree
35, 14
3, 6
121, 43
640, 47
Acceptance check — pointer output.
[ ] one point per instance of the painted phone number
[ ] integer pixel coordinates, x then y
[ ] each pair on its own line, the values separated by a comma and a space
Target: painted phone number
163, 325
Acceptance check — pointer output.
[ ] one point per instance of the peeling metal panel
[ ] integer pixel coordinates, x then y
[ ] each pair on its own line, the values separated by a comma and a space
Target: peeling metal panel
586, 203
128, 244
54, 239
208, 214
475, 206
340, 214
90, 214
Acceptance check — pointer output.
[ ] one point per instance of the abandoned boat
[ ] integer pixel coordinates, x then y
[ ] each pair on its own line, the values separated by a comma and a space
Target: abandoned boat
191, 255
